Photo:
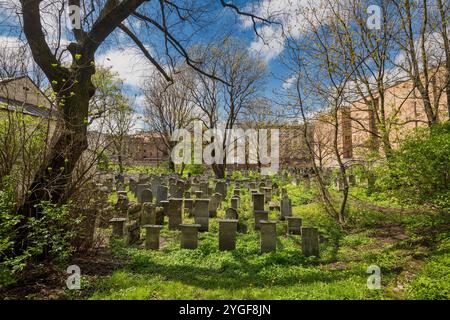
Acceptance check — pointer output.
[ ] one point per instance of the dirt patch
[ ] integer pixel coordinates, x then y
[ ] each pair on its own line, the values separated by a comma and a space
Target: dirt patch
389, 233
47, 281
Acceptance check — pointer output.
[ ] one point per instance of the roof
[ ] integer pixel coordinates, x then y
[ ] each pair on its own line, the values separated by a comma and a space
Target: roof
21, 94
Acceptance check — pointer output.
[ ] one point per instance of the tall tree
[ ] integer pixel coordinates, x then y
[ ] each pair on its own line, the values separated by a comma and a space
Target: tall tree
168, 107
72, 82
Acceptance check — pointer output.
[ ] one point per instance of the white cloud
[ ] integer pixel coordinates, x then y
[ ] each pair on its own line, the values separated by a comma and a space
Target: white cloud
129, 63
289, 82
293, 15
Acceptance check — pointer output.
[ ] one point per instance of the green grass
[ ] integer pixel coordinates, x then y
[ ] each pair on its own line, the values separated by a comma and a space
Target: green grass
339, 273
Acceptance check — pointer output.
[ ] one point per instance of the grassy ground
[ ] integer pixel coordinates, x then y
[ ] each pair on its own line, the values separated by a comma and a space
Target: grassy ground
412, 252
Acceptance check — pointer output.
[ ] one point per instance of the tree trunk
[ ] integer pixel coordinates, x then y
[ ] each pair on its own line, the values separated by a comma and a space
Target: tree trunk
70, 141
219, 170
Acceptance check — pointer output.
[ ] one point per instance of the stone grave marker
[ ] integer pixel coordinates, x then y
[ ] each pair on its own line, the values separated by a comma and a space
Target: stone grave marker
227, 234
152, 233
268, 236
310, 241
189, 236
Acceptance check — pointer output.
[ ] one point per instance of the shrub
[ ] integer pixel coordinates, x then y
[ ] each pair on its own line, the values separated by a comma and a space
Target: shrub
419, 170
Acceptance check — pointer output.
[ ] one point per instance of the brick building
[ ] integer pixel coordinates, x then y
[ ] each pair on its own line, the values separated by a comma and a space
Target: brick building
359, 131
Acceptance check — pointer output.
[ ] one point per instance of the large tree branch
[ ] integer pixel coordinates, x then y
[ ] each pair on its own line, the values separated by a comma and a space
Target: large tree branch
145, 52
111, 16
32, 28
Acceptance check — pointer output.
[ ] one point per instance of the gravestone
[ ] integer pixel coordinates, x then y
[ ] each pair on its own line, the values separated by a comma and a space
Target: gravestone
310, 241
174, 213
267, 194
259, 216
198, 194
204, 187
152, 233
159, 216
201, 214
294, 225
231, 214
139, 188
188, 206
214, 204
195, 187
132, 185
268, 236
258, 201
133, 232
237, 192
122, 205
286, 208
221, 187
148, 214
235, 202
189, 236
161, 194
118, 227
227, 234
146, 195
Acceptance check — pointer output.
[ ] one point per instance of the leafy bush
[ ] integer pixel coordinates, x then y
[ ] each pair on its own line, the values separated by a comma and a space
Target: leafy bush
419, 170
48, 235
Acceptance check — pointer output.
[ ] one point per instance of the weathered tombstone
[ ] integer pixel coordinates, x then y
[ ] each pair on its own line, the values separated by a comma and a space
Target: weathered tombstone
252, 185
152, 233
159, 216
284, 192
195, 187
214, 204
294, 225
134, 211
133, 232
227, 234
189, 236
175, 213
204, 187
310, 241
122, 205
118, 227
268, 236
133, 184
235, 202
258, 201
231, 214
286, 208
201, 214
139, 188
148, 214
221, 187
161, 194
237, 192
187, 195
188, 206
146, 195
165, 207
260, 215
198, 194
267, 194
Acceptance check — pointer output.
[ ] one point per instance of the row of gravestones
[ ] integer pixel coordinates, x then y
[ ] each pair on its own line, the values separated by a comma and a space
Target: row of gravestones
151, 216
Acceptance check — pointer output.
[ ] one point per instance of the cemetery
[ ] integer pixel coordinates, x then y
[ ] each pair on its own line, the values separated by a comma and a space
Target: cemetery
174, 246
224, 150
